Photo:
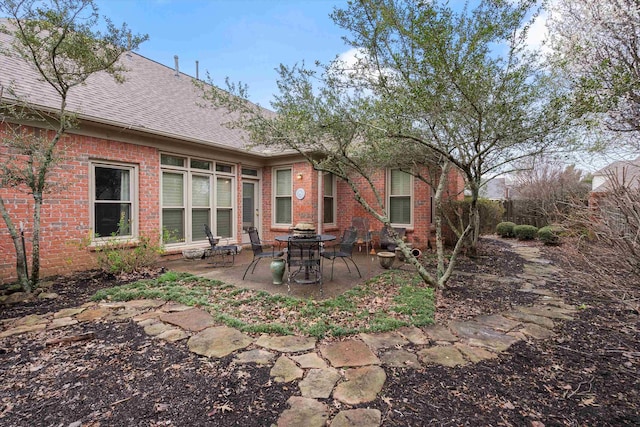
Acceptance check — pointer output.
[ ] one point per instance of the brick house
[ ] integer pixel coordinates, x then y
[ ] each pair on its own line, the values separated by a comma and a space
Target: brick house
146, 152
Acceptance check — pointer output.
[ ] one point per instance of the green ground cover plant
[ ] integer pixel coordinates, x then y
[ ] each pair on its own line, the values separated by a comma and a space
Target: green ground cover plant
392, 300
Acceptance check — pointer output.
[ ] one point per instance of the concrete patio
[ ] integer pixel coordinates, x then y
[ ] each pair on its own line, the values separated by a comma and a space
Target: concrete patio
261, 278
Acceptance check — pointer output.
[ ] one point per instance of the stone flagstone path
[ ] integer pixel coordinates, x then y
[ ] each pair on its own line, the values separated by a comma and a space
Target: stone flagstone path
351, 371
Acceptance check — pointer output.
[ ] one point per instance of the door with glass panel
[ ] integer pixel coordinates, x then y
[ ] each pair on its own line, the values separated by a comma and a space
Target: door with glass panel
250, 211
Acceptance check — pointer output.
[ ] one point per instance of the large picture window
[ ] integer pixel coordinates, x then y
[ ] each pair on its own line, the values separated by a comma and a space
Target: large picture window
329, 199
113, 200
283, 197
399, 197
196, 192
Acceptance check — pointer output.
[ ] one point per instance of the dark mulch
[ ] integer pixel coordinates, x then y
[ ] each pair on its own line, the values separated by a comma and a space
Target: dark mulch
586, 375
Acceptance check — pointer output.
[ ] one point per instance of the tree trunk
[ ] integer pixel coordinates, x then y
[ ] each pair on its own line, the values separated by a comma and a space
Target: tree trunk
21, 260
35, 252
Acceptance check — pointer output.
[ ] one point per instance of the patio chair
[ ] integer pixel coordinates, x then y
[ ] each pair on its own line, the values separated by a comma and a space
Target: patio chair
344, 250
222, 255
387, 242
304, 262
363, 233
259, 252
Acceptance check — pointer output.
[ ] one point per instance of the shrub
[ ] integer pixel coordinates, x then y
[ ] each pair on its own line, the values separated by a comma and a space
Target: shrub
525, 232
117, 256
505, 229
490, 211
549, 235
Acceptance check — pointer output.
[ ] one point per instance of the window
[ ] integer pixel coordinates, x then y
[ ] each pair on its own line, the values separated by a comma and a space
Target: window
399, 198
173, 205
113, 199
196, 192
283, 197
329, 205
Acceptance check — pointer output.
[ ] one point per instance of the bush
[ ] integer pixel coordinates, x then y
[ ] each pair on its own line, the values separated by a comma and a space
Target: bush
505, 229
525, 232
117, 256
549, 235
490, 211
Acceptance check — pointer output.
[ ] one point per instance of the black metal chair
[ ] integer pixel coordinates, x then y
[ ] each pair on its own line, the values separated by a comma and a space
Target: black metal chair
303, 258
259, 252
387, 242
219, 253
344, 250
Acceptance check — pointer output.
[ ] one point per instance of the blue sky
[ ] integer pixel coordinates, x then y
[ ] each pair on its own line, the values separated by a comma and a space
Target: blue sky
244, 40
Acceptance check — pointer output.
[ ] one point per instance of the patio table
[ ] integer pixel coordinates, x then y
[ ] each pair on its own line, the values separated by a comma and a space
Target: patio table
320, 238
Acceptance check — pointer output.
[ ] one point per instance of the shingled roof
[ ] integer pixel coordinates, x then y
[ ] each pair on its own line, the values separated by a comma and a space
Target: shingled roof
154, 99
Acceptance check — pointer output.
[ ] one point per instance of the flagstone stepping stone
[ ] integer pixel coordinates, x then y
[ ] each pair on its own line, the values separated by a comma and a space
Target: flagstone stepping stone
357, 418
172, 335
23, 329
61, 322
218, 341
439, 333
93, 314
171, 307
287, 343
194, 319
123, 314
309, 361
68, 312
536, 332
530, 318
557, 302
258, 356
414, 335
17, 298
148, 315
546, 311
497, 322
400, 358
383, 340
362, 385
144, 303
348, 353
474, 354
481, 336
32, 319
157, 328
146, 322
48, 295
445, 355
285, 370
319, 383
304, 412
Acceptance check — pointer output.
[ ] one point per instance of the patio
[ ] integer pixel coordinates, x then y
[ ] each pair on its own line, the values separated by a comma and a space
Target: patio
261, 278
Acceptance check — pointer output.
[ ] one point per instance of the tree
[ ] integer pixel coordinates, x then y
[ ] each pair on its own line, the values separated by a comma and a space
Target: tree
552, 186
431, 89
60, 41
597, 46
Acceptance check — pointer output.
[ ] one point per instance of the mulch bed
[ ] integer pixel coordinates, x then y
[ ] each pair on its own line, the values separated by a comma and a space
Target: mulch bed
588, 374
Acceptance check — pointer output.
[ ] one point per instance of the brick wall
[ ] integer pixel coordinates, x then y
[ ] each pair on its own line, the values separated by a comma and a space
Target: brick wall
65, 212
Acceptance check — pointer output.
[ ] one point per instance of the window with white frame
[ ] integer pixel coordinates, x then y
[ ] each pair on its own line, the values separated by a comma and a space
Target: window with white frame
196, 192
113, 199
329, 199
283, 212
399, 197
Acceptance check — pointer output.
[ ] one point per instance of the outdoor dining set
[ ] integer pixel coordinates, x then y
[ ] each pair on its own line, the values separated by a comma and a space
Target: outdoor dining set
301, 253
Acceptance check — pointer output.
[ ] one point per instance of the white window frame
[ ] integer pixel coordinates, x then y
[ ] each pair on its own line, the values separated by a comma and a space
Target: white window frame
332, 196
188, 206
133, 196
275, 196
390, 196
